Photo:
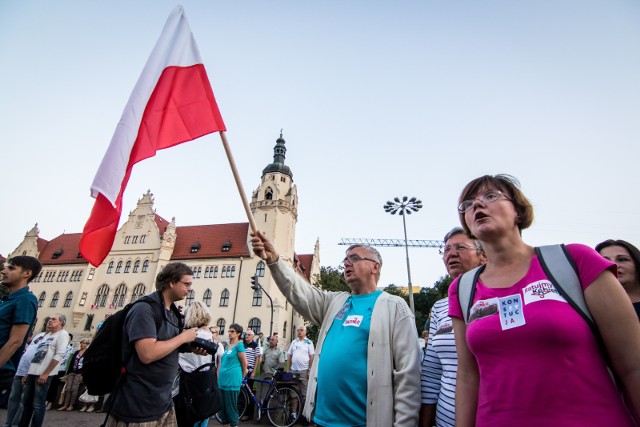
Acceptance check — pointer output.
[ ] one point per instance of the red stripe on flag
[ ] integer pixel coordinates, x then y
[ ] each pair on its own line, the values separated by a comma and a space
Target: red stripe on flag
181, 108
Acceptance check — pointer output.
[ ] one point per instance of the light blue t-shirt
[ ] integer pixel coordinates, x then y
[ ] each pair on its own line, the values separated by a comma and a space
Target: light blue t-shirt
342, 370
230, 368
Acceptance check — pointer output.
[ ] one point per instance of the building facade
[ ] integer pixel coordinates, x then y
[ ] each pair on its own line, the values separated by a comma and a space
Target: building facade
219, 254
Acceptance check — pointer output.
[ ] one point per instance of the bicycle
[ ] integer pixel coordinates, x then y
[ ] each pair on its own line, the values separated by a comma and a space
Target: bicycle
277, 402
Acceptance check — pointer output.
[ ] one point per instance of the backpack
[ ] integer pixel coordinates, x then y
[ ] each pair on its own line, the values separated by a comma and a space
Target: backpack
558, 265
199, 397
103, 363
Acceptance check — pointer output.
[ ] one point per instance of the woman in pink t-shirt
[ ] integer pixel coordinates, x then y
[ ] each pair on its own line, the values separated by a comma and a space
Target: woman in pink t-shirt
527, 358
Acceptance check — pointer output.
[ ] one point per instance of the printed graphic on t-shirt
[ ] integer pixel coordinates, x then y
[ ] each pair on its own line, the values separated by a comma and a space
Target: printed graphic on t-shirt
353, 320
41, 352
445, 328
542, 290
511, 314
343, 310
483, 308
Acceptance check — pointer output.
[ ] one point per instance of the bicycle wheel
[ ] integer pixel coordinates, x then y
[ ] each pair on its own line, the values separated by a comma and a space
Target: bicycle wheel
281, 405
243, 402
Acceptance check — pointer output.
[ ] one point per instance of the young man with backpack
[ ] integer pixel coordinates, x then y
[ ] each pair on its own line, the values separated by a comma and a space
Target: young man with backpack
150, 349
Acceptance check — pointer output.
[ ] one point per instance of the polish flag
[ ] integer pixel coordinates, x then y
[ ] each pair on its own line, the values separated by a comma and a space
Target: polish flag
171, 103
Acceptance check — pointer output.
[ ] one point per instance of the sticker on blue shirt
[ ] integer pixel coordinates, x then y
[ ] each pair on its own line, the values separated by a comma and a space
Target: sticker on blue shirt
511, 315
343, 310
353, 320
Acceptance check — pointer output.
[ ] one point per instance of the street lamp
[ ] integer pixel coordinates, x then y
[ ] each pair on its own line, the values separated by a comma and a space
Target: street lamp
405, 206
255, 285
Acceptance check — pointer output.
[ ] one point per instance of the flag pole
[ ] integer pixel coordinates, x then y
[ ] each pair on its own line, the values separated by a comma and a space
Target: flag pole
236, 176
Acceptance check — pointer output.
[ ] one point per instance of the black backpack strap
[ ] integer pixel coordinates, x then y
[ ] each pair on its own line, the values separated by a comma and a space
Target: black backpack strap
467, 290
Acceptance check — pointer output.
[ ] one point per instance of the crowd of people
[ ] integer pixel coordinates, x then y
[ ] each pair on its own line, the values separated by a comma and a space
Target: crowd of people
527, 336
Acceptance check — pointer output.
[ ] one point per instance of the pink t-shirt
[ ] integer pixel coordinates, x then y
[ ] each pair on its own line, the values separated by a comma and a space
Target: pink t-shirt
539, 362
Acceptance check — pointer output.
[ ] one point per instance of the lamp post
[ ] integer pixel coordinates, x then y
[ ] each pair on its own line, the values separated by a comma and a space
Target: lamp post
255, 285
403, 207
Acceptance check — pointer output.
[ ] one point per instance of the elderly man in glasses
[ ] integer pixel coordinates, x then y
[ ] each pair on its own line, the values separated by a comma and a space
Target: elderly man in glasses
367, 358
460, 254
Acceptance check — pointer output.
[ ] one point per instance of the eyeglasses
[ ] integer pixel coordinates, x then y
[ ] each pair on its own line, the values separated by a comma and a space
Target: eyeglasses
353, 258
187, 284
486, 198
458, 247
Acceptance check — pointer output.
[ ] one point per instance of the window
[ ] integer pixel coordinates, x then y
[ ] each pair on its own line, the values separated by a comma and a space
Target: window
257, 298
254, 325
260, 269
92, 271
126, 240
87, 325
226, 246
195, 247
232, 273
110, 268
54, 300
101, 296
207, 297
206, 272
214, 271
134, 240
143, 238
284, 330
119, 266
127, 266
224, 298
268, 195
119, 295
43, 295
190, 297
145, 266
83, 299
138, 292
221, 324
196, 272
136, 266
68, 300
224, 271
57, 254
38, 277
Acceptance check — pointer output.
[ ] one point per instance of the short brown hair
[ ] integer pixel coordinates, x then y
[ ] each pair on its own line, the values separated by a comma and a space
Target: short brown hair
510, 186
172, 273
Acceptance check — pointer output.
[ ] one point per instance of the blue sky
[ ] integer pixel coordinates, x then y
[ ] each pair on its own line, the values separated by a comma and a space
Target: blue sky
376, 99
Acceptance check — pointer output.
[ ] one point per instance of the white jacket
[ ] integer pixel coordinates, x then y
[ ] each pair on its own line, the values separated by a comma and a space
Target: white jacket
393, 383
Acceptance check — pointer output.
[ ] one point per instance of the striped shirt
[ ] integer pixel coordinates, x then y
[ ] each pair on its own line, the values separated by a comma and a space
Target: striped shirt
438, 376
252, 351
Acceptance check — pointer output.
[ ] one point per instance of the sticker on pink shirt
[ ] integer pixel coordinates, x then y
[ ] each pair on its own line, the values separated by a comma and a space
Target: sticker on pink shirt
540, 291
511, 315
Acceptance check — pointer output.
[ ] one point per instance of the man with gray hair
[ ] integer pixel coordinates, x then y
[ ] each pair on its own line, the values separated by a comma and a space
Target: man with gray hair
44, 366
366, 364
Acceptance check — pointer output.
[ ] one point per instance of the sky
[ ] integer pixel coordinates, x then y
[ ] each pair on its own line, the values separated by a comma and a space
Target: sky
376, 100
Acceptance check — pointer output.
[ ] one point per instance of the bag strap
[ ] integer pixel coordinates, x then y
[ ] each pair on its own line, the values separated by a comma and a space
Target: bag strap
467, 290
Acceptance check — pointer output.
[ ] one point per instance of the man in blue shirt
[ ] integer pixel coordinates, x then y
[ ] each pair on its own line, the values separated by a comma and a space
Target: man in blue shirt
17, 315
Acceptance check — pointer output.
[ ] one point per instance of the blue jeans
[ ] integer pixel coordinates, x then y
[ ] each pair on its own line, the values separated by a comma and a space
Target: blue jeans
36, 393
14, 406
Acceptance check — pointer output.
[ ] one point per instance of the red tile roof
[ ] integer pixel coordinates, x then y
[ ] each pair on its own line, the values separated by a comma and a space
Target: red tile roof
304, 265
41, 244
161, 223
65, 244
211, 239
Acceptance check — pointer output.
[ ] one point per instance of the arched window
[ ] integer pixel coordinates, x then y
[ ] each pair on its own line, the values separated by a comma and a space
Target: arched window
257, 298
101, 296
119, 295
284, 330
224, 298
145, 265
127, 266
54, 300
268, 194
207, 297
206, 272
254, 325
119, 266
138, 292
43, 295
196, 272
110, 268
232, 271
215, 272
221, 324
260, 269
224, 271
68, 300
190, 297
136, 266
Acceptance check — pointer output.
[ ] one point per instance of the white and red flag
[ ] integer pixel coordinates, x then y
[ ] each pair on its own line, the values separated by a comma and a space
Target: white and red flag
171, 103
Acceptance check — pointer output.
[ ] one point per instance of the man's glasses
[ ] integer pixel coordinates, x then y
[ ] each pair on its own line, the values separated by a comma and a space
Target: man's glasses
486, 198
353, 258
458, 247
187, 284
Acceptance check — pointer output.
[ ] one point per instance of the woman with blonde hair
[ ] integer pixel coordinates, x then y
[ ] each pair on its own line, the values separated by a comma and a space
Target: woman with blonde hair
526, 356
